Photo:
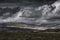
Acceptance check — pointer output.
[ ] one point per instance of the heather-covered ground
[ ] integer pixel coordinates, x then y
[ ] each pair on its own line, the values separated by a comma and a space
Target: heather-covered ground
30, 36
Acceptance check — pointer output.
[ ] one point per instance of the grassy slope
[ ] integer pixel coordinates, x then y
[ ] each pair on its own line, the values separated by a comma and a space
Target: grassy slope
30, 36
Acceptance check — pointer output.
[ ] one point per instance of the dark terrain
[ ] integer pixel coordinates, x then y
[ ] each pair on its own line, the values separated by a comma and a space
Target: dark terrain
29, 36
